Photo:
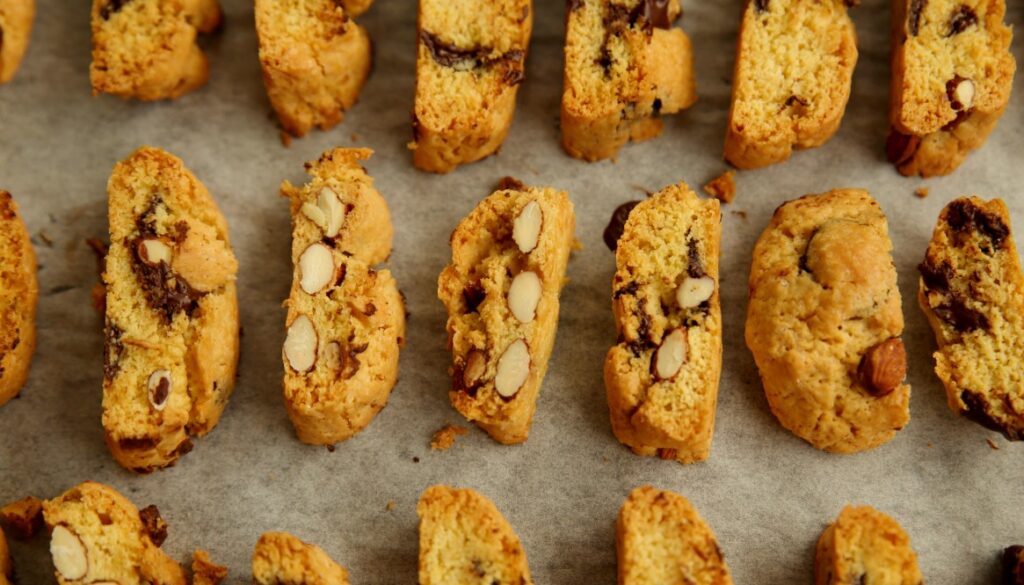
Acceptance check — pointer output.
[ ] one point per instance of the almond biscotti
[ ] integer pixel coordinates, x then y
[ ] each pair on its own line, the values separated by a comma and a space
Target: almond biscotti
625, 66
972, 291
315, 60
470, 59
97, 536
465, 539
346, 319
661, 539
662, 375
16, 18
171, 333
791, 81
865, 546
19, 295
509, 258
146, 49
282, 558
824, 322
952, 73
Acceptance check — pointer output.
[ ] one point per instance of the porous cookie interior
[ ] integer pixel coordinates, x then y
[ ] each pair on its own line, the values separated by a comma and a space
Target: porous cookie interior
865, 546
18, 293
281, 558
134, 37
972, 289
310, 22
794, 64
945, 43
465, 539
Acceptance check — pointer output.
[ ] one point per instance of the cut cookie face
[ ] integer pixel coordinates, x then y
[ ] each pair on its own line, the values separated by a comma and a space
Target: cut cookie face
171, 333
19, 295
470, 59
98, 536
315, 60
864, 545
346, 319
625, 66
465, 539
794, 66
662, 375
282, 558
824, 322
972, 291
16, 17
509, 258
952, 72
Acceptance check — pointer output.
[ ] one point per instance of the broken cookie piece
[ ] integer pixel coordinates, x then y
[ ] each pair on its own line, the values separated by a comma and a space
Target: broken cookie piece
16, 17
23, 518
282, 558
865, 546
19, 295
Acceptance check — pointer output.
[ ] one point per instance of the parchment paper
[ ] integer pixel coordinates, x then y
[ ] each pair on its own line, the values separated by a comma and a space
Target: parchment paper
766, 493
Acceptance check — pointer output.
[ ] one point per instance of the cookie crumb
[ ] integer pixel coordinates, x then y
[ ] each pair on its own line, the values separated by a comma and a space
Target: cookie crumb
330, 448
921, 192
390, 505
740, 214
23, 517
205, 571
667, 454
445, 437
509, 183
992, 444
286, 139
354, 137
722, 187
415, 459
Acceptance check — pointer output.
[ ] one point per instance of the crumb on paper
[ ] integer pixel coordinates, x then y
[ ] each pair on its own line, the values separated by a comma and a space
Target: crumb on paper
45, 238
354, 137
445, 437
330, 448
992, 444
415, 459
205, 571
921, 192
286, 139
667, 454
739, 213
23, 518
390, 505
930, 445
509, 182
722, 187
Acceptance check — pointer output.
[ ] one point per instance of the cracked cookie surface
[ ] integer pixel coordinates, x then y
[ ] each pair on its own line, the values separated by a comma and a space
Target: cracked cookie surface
662, 376
16, 17
972, 291
282, 558
865, 546
824, 321
19, 295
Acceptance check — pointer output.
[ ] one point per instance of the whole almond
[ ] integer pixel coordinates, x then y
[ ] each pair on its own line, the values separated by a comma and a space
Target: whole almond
69, 555
883, 367
523, 296
513, 369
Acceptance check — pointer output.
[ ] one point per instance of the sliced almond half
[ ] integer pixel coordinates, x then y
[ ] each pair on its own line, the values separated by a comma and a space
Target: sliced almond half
524, 295
315, 214
300, 344
333, 209
526, 229
694, 291
476, 366
671, 355
152, 251
513, 369
316, 268
69, 554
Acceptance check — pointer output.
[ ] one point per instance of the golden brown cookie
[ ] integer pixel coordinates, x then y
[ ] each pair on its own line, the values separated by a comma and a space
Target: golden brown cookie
509, 257
6, 569
470, 58
16, 18
662, 375
465, 539
19, 295
865, 546
205, 571
346, 319
171, 334
282, 558
972, 291
824, 322
952, 73
791, 81
98, 536
625, 66
23, 518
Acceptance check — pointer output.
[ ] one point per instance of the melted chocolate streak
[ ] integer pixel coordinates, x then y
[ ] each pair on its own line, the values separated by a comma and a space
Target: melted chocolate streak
166, 292
650, 14
449, 55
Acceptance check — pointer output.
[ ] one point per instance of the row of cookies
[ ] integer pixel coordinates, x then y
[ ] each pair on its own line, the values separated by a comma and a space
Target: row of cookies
625, 66
99, 536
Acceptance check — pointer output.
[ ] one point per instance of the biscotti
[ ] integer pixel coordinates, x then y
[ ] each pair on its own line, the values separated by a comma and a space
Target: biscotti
509, 258
346, 319
171, 333
791, 80
661, 539
465, 539
146, 49
972, 291
470, 59
662, 375
282, 558
19, 294
865, 546
16, 17
6, 569
98, 536
952, 73
205, 571
824, 322
315, 60
625, 66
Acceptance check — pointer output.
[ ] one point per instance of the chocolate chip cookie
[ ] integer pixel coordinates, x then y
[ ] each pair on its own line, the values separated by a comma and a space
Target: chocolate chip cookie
865, 546
98, 536
952, 73
972, 291
281, 558
470, 59
662, 539
171, 332
824, 322
625, 66
465, 539
346, 318
146, 49
19, 294
16, 18
662, 375
509, 257
315, 60
791, 82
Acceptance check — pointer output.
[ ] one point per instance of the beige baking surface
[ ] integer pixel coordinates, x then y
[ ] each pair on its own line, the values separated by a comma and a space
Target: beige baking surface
766, 493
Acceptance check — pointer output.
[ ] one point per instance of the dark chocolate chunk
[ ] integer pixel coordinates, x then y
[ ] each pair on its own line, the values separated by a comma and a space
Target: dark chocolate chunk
473, 294
154, 524
761, 6
959, 119
695, 264
163, 388
936, 278
617, 223
962, 19
964, 216
510, 183
449, 55
795, 99
963, 318
900, 147
112, 7
138, 443
1013, 565
951, 87
629, 289
914, 18
655, 12
978, 411
167, 293
112, 350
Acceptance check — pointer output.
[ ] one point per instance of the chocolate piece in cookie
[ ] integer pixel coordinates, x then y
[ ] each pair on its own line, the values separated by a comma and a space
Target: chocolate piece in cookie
19, 295
617, 223
972, 291
16, 17
865, 546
